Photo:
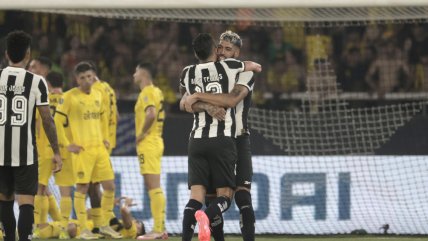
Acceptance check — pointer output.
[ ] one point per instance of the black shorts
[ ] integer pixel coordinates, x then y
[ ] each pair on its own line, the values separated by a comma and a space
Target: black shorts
244, 164
212, 162
19, 180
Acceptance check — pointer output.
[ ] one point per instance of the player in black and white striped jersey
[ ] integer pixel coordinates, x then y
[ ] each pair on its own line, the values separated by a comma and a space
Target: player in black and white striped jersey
20, 92
212, 151
240, 97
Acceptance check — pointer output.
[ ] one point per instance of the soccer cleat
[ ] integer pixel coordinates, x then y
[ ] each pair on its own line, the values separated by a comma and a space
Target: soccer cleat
204, 226
153, 236
87, 235
36, 233
63, 234
109, 232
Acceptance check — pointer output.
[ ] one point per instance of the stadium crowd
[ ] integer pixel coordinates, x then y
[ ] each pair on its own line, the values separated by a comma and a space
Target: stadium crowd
370, 58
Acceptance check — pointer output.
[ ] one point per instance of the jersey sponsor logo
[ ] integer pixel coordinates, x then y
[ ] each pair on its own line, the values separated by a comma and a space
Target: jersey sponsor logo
91, 115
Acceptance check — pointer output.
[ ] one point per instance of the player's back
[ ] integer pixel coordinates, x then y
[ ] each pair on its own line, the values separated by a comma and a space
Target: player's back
150, 96
212, 77
20, 92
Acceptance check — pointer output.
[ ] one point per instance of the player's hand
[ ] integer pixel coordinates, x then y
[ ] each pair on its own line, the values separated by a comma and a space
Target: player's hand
189, 101
76, 149
141, 137
216, 112
125, 201
57, 163
106, 144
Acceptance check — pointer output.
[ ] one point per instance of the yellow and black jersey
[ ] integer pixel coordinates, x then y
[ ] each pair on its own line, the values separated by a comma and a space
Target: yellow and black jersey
150, 96
85, 115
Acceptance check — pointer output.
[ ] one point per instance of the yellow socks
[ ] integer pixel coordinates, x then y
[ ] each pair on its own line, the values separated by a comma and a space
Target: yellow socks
97, 217
157, 206
53, 209
80, 207
38, 202
65, 206
107, 205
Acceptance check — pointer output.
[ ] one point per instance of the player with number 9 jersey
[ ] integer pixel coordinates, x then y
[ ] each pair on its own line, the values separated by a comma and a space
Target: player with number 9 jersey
152, 144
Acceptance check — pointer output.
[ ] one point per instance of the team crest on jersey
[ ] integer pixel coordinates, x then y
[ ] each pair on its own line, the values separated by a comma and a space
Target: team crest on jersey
80, 174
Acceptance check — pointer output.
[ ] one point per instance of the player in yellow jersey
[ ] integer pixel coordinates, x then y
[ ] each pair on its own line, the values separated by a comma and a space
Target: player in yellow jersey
83, 111
149, 119
109, 102
65, 178
44, 201
128, 226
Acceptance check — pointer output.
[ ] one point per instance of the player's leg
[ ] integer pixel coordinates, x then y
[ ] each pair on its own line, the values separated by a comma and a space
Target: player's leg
103, 173
223, 178
84, 166
54, 211
7, 217
41, 200
244, 174
26, 179
197, 180
96, 212
150, 167
65, 179
217, 225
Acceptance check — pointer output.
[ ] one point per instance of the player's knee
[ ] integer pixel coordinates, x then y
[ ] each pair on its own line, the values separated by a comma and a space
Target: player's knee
243, 198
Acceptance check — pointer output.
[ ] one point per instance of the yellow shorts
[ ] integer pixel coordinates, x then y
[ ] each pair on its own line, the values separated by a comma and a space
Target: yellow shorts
149, 156
93, 165
64, 178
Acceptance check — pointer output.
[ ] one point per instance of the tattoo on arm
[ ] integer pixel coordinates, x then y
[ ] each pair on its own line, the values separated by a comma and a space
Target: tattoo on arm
201, 106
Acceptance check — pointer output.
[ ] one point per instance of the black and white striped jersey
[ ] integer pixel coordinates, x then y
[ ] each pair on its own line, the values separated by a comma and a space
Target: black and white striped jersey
243, 107
20, 92
212, 77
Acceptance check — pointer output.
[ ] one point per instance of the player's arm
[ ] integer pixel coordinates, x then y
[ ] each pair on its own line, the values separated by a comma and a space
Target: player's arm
252, 66
150, 118
126, 203
216, 112
228, 100
50, 130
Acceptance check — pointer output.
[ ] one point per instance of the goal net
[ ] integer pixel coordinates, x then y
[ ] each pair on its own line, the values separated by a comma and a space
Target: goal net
343, 96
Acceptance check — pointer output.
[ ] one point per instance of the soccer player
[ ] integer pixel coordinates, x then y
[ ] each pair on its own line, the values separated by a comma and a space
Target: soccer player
64, 179
20, 92
98, 203
128, 226
44, 201
240, 98
209, 167
149, 119
83, 107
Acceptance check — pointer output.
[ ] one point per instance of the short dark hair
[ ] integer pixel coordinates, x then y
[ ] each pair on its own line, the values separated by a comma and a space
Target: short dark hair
44, 61
83, 67
55, 79
17, 44
203, 45
231, 37
149, 67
